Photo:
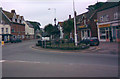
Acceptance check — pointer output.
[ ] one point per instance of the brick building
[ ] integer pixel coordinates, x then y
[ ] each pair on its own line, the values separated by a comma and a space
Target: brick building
109, 22
86, 25
16, 23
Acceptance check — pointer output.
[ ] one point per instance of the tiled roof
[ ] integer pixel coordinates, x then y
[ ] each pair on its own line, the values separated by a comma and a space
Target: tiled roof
5, 19
8, 14
30, 25
108, 5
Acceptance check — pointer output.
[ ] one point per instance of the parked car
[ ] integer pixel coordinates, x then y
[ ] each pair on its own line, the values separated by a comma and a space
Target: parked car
16, 40
92, 41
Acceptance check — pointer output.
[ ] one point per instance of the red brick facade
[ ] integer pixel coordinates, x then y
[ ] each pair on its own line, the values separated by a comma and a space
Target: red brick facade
18, 30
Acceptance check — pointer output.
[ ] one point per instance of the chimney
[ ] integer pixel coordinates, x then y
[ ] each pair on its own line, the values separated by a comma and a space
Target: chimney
0, 15
75, 13
12, 11
69, 16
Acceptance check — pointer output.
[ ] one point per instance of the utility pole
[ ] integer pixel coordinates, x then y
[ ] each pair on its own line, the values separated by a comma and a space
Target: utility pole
75, 30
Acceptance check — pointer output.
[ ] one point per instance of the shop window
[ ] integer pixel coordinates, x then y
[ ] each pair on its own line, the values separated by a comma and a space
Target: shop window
102, 30
107, 35
82, 33
102, 37
88, 33
114, 33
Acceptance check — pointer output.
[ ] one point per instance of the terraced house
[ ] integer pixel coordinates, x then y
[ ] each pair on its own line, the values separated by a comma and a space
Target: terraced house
29, 30
86, 22
5, 28
109, 22
16, 23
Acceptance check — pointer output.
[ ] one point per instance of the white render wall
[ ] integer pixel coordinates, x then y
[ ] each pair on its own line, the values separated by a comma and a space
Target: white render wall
5, 26
28, 30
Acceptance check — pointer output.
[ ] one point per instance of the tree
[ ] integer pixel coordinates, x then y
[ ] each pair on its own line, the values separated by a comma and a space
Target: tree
49, 29
52, 30
68, 26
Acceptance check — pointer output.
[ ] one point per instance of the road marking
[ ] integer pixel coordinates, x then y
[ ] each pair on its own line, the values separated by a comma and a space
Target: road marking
1, 61
19, 61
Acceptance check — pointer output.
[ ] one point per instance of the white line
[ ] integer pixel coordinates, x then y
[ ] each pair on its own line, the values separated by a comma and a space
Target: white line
15, 61
2, 61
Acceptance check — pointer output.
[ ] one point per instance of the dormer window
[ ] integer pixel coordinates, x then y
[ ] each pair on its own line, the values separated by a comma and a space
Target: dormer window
13, 20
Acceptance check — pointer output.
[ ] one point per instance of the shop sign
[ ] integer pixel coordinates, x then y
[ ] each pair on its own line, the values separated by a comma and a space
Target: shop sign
115, 24
81, 26
104, 25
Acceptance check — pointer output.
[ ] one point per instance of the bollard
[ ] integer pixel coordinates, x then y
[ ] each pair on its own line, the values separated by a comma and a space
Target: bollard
2, 42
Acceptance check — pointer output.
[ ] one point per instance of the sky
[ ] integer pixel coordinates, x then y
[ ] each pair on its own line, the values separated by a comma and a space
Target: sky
37, 10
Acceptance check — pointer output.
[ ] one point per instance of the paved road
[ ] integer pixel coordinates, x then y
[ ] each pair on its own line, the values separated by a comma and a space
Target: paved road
20, 60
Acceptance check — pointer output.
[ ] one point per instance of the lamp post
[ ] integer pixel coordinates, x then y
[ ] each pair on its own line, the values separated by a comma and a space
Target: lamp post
75, 30
54, 14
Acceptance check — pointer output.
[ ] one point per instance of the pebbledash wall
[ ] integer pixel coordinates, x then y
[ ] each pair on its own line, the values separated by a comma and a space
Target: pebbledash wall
109, 24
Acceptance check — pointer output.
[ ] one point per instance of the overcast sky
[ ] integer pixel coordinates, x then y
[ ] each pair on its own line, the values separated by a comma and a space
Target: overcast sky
37, 10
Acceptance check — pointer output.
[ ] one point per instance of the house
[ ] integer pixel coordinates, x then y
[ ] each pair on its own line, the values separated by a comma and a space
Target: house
29, 30
5, 28
109, 22
86, 22
16, 23
86, 26
37, 29
83, 27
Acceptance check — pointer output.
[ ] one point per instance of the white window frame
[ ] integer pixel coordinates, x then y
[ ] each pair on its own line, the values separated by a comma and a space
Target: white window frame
116, 15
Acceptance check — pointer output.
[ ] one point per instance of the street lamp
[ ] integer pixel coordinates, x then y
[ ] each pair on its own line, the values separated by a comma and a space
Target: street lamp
75, 30
54, 14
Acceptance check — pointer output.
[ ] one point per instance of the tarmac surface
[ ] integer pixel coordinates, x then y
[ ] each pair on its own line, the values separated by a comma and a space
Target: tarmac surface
25, 60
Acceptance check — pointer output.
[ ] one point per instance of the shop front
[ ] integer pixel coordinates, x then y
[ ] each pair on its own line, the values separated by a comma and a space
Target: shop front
85, 32
6, 37
109, 32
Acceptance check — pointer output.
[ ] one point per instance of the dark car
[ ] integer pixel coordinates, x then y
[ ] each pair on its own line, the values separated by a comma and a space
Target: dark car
92, 41
16, 40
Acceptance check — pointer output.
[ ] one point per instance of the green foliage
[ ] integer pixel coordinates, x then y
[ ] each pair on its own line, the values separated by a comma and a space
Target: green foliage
68, 26
52, 30
49, 29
